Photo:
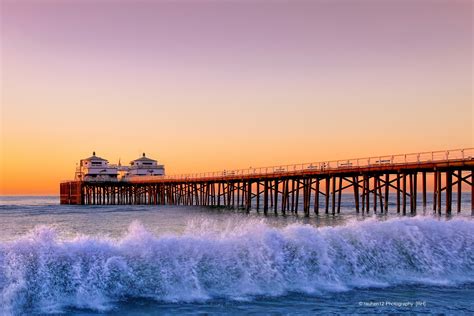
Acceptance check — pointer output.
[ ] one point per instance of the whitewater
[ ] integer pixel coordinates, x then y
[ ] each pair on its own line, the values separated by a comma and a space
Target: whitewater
123, 261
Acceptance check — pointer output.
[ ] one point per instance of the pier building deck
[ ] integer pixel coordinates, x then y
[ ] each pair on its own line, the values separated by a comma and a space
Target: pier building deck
313, 187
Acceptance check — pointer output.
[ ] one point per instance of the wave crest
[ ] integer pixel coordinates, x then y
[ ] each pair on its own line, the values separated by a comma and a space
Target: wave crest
235, 261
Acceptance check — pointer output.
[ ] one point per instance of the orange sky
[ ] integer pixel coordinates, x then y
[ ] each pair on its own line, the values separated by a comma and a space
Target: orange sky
199, 90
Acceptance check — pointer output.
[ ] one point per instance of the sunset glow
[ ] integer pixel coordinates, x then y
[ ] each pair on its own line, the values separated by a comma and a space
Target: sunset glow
204, 86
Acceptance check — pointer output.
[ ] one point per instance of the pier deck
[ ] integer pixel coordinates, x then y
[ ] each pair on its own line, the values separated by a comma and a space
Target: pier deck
315, 187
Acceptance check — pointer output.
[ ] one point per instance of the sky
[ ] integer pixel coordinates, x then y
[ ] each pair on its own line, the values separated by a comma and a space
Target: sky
212, 85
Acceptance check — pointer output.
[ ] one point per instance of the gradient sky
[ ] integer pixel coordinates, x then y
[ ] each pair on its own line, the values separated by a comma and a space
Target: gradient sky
212, 85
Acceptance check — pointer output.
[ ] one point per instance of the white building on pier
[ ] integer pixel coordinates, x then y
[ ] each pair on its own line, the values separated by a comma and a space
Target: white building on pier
145, 166
96, 169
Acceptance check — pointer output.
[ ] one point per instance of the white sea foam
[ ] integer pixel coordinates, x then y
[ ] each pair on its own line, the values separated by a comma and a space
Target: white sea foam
233, 260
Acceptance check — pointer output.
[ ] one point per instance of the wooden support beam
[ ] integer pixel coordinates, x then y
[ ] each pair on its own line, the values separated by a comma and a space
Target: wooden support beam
404, 190
387, 187
459, 190
464, 179
275, 205
472, 192
333, 201
304, 183
435, 189
328, 181
244, 194
283, 196
93, 195
345, 186
415, 190
238, 196
271, 193
308, 196
316, 197
288, 192
297, 198
391, 185
231, 190
227, 188
411, 193
305, 195
258, 196
265, 197
423, 188
438, 194
449, 191
363, 193
339, 196
367, 191
292, 195
375, 192
355, 183
380, 194
249, 196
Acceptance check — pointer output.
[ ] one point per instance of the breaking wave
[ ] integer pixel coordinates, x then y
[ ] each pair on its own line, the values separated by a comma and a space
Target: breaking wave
41, 272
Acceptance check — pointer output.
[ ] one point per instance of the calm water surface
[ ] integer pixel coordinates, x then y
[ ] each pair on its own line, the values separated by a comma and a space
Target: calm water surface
186, 260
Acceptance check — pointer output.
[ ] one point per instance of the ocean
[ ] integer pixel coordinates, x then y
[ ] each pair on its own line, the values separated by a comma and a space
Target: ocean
140, 260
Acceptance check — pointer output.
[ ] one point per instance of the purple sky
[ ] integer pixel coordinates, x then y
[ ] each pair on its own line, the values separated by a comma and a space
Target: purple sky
327, 79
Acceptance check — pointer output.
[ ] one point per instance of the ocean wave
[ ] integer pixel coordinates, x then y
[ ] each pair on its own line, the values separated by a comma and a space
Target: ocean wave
233, 260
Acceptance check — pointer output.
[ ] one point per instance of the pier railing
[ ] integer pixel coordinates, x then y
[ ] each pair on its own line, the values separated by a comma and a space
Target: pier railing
374, 161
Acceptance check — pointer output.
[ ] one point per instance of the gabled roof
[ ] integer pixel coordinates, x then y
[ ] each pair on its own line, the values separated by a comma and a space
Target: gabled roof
95, 158
144, 158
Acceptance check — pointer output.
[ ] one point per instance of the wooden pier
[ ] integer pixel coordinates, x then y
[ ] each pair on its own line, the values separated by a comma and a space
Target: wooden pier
307, 188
